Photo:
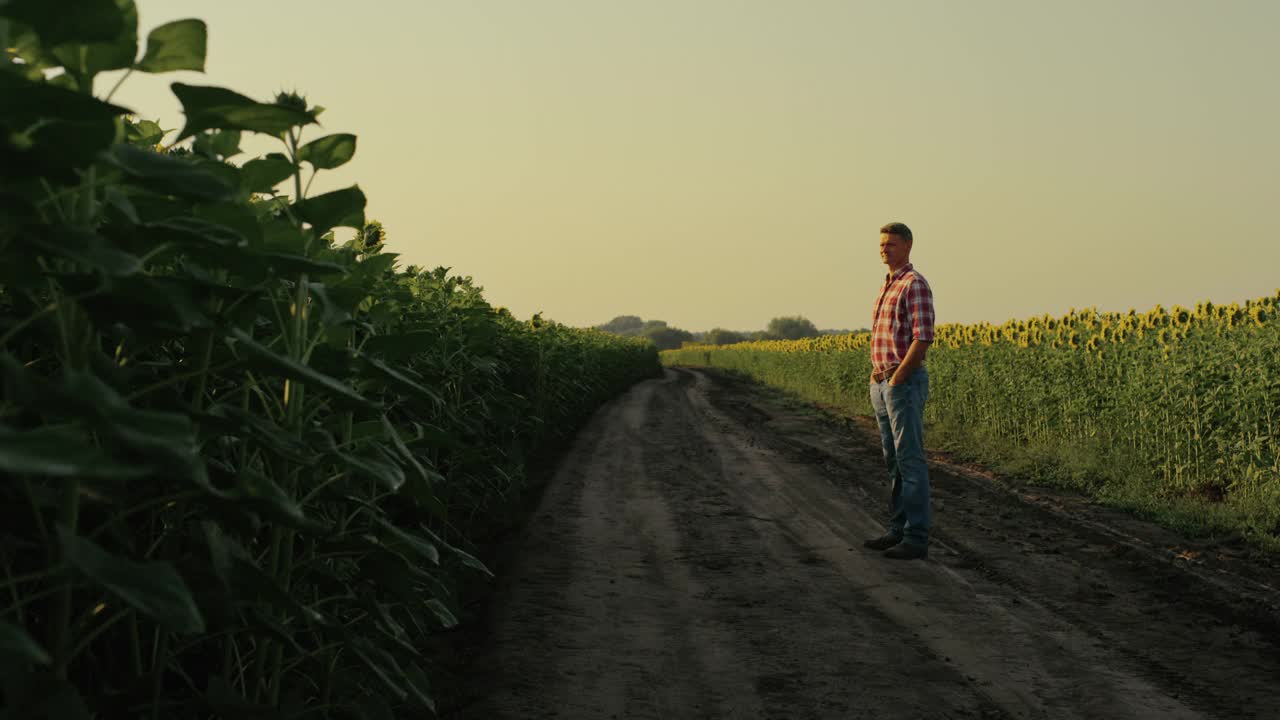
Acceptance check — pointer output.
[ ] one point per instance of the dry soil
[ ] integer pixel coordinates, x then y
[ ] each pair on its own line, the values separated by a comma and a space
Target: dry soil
698, 554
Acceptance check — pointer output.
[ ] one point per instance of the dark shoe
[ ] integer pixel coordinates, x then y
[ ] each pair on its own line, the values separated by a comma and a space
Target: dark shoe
884, 542
907, 551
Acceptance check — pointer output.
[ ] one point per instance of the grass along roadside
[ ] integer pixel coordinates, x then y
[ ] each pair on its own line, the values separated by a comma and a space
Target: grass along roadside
1081, 471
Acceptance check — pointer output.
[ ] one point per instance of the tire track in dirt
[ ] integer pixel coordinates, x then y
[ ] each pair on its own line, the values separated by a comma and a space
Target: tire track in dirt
687, 561
1205, 633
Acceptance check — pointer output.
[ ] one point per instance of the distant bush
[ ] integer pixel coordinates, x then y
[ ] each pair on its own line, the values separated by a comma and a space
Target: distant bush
657, 331
653, 325
627, 325
720, 336
668, 338
791, 328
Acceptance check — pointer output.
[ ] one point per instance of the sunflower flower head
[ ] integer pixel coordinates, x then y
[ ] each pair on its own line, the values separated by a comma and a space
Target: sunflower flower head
1260, 315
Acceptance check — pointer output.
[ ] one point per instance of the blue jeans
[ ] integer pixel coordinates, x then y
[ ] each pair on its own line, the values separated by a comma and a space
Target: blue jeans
900, 412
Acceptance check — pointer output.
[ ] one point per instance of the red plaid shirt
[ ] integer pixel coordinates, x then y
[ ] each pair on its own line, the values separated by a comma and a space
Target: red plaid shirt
904, 312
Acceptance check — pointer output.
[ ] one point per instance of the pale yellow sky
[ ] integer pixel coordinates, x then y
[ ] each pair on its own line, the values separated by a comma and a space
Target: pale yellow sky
722, 162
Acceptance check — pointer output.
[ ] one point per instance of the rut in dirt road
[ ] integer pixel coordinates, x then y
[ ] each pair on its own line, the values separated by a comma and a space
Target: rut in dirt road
686, 561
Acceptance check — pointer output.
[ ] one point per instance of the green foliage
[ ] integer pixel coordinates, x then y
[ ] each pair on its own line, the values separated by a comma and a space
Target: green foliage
179, 45
791, 328
651, 326
628, 325
328, 152
153, 589
72, 21
667, 338
208, 108
241, 464
656, 331
720, 336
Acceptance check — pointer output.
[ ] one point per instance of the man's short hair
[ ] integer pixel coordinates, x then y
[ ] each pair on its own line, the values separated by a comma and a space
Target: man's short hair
899, 229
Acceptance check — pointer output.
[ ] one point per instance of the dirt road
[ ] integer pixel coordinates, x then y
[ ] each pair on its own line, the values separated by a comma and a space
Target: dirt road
698, 555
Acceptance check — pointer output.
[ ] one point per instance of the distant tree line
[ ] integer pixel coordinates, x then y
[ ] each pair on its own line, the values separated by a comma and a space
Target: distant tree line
662, 335
792, 327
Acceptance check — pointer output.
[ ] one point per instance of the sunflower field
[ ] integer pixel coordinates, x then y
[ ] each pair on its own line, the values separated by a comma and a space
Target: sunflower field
1170, 410
242, 464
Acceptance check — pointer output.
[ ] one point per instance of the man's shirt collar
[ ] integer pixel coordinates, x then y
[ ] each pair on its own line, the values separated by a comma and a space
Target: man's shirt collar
901, 271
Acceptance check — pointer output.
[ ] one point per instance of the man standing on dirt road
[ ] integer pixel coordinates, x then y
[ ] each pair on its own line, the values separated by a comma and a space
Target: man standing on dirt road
901, 330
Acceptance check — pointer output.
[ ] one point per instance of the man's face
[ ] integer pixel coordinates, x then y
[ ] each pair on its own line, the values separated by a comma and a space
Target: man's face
894, 250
